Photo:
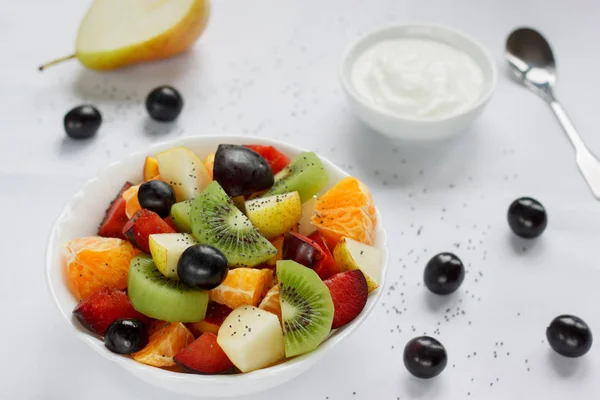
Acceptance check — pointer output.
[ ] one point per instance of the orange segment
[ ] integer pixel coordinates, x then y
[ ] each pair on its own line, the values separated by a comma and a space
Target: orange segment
93, 262
132, 204
209, 163
165, 340
278, 243
150, 168
271, 302
243, 286
348, 210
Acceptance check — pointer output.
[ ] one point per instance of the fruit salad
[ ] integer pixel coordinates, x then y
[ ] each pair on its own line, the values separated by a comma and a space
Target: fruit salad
229, 264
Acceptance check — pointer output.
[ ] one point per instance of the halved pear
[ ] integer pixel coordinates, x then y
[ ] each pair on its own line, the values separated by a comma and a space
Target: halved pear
117, 33
275, 215
166, 249
350, 254
184, 171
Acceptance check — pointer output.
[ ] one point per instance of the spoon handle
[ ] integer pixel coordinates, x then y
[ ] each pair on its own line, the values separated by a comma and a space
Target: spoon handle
587, 163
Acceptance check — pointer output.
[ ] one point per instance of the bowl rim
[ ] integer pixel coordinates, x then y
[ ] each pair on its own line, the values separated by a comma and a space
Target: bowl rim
351, 48
131, 365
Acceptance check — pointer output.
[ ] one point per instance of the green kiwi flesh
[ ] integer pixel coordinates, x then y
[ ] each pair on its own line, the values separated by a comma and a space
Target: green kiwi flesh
216, 221
159, 297
180, 215
306, 308
305, 175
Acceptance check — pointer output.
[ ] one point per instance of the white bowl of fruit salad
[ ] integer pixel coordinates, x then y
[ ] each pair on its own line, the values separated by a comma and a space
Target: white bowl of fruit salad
222, 265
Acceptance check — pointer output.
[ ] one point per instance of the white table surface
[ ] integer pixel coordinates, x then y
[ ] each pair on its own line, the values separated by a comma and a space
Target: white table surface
268, 68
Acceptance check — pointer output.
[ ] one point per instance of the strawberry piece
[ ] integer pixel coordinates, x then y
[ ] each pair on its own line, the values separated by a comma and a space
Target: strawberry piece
170, 222
143, 224
327, 266
274, 157
103, 307
349, 292
115, 217
215, 315
204, 355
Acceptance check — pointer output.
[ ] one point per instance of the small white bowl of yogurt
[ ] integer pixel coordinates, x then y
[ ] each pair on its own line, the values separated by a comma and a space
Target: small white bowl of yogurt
418, 82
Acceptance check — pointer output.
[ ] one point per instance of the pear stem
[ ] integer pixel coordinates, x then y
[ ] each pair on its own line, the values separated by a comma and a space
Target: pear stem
57, 61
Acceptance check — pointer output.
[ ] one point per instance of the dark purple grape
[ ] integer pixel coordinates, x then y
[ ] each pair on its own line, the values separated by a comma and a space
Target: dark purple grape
82, 122
444, 273
527, 217
126, 336
241, 171
202, 267
164, 104
301, 249
569, 336
157, 196
425, 357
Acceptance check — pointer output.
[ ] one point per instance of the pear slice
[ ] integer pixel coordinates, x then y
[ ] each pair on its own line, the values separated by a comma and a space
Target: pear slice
184, 171
350, 254
117, 33
275, 215
166, 249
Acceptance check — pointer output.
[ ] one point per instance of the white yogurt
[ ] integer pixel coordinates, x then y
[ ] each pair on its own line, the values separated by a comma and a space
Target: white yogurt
417, 78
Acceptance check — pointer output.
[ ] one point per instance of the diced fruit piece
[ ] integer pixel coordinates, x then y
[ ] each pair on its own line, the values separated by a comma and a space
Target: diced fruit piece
306, 308
215, 315
241, 171
278, 244
204, 356
143, 224
165, 341
240, 203
150, 168
202, 267
305, 175
166, 249
159, 297
302, 250
132, 204
327, 266
170, 222
274, 157
94, 262
349, 292
347, 210
184, 171
350, 254
180, 215
115, 217
271, 302
209, 164
217, 222
305, 225
251, 338
126, 336
157, 196
275, 215
103, 307
243, 286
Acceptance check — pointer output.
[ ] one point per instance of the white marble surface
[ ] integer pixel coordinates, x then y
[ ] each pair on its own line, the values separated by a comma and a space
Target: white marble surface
268, 68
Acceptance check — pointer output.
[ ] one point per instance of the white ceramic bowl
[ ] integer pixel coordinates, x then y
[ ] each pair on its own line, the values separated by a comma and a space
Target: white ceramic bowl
418, 129
81, 217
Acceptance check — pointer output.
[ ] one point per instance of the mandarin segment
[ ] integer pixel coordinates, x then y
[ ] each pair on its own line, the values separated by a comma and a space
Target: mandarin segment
347, 209
132, 204
243, 286
166, 339
94, 262
271, 302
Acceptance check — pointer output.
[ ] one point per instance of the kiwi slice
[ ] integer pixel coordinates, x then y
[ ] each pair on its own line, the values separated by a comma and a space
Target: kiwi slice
305, 175
217, 222
180, 215
159, 297
306, 307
